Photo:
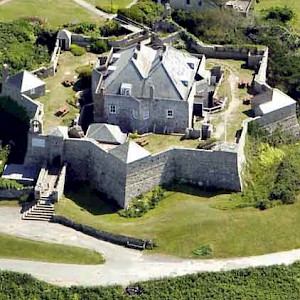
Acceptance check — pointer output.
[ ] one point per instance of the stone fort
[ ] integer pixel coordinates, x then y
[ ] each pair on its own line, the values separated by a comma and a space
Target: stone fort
128, 170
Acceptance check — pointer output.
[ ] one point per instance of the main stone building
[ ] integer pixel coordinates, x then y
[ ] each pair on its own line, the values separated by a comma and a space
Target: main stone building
148, 90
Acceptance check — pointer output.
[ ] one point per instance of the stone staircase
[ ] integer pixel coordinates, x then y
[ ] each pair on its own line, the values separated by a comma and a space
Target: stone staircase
43, 210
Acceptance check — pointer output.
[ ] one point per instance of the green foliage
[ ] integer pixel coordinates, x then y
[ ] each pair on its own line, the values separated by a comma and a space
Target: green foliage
85, 76
273, 282
21, 47
139, 206
203, 250
99, 46
77, 50
13, 108
145, 12
9, 184
110, 28
4, 153
273, 171
282, 14
82, 28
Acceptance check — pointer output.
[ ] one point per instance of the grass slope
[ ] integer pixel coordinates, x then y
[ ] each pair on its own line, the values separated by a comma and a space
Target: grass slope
54, 12
18, 248
294, 4
187, 219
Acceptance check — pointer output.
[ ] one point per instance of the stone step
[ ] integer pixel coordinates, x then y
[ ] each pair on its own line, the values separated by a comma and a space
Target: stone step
44, 205
33, 218
42, 213
43, 208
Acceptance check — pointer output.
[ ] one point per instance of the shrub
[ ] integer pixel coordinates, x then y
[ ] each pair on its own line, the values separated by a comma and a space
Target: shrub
282, 14
9, 184
143, 203
146, 12
99, 47
110, 28
85, 76
77, 50
203, 250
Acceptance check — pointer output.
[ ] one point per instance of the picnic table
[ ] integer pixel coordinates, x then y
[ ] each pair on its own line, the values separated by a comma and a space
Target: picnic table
62, 111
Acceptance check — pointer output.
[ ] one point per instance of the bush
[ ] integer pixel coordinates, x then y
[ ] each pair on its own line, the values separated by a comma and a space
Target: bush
282, 14
143, 203
77, 50
111, 28
145, 12
9, 184
85, 76
99, 47
203, 250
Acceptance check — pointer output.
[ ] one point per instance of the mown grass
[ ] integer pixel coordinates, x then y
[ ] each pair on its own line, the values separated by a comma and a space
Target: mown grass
57, 95
160, 142
19, 248
110, 5
9, 203
187, 219
53, 12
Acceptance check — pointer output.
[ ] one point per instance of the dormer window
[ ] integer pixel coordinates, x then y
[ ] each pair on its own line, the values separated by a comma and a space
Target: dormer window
125, 89
185, 82
191, 65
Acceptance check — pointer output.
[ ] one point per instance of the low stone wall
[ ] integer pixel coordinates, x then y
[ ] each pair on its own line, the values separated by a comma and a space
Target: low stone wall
15, 193
118, 239
60, 184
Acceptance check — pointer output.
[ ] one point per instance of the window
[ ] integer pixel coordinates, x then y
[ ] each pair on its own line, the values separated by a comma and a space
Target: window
134, 113
112, 109
170, 113
32, 91
200, 3
145, 114
188, 2
125, 89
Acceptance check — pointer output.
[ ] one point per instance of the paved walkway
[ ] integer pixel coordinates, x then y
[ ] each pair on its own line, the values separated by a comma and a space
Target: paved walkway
123, 265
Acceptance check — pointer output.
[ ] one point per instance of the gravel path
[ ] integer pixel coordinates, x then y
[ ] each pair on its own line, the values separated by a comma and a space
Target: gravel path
122, 266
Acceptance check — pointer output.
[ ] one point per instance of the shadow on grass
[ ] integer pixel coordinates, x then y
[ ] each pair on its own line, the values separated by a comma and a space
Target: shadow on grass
194, 190
91, 200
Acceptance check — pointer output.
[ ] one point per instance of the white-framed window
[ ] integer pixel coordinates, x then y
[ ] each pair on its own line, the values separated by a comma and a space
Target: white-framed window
32, 91
125, 89
134, 114
112, 109
170, 113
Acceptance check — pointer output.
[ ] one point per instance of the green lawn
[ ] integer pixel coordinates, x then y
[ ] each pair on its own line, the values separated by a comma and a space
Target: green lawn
294, 4
53, 12
11, 203
57, 95
184, 221
19, 248
107, 5
160, 142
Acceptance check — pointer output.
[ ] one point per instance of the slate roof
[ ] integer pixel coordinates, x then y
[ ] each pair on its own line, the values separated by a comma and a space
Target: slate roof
25, 81
171, 72
106, 133
278, 100
129, 152
61, 131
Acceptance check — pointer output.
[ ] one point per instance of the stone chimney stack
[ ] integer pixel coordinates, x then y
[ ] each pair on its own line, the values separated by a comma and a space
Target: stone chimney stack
5, 73
151, 92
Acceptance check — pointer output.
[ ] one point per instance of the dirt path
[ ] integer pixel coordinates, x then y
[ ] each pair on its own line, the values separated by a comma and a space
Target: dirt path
123, 266
227, 115
4, 2
94, 10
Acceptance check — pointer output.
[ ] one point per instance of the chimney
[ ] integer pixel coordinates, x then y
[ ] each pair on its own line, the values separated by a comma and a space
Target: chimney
151, 92
138, 46
5, 72
135, 55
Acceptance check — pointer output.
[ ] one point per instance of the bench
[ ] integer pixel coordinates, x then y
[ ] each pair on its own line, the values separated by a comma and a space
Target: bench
62, 111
